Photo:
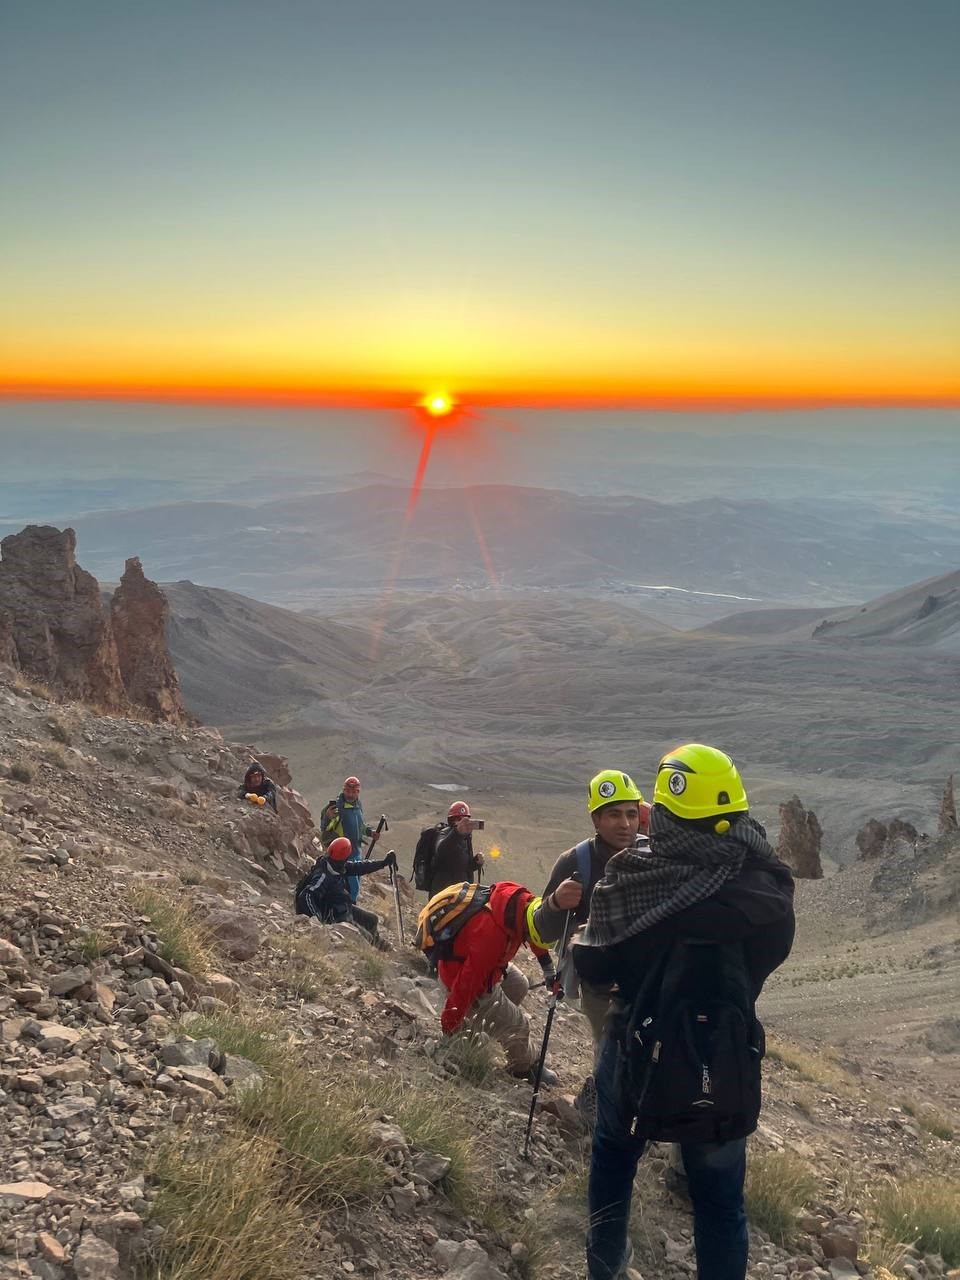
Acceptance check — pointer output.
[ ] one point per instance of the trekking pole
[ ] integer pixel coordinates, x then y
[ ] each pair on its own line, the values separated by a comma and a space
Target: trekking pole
396, 902
381, 827
551, 1010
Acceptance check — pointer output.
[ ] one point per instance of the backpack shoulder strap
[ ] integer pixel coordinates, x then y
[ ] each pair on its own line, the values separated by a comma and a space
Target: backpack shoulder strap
583, 853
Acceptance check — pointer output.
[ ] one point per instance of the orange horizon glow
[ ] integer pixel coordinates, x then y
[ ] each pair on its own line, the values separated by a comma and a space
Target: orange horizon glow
534, 393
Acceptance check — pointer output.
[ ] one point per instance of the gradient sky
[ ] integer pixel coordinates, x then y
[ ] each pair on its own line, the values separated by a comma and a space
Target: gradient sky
510, 199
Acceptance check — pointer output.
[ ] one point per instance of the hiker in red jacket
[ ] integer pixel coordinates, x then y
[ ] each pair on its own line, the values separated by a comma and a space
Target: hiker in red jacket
481, 952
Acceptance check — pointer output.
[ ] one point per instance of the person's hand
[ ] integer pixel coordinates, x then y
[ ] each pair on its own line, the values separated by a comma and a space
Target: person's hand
550, 979
567, 895
391, 860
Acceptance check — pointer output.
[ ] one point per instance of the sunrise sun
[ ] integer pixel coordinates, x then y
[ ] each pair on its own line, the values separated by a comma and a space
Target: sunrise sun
438, 404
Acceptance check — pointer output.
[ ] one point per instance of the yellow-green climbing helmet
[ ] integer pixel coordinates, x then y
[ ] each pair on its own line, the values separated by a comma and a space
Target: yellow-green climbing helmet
695, 781
610, 786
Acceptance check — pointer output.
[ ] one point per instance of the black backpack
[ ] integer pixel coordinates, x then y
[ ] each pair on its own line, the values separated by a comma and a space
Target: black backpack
423, 855
689, 1058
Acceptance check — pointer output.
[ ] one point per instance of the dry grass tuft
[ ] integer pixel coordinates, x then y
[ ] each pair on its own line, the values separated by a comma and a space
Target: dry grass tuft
253, 1035
327, 1143
440, 1123
55, 756
932, 1121
816, 1068
778, 1185
307, 968
228, 1213
59, 732
93, 944
370, 967
924, 1212
35, 688
20, 771
183, 940
469, 1054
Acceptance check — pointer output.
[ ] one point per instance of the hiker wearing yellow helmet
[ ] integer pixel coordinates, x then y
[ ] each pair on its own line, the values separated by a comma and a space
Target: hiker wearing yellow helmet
700, 784
616, 809
688, 927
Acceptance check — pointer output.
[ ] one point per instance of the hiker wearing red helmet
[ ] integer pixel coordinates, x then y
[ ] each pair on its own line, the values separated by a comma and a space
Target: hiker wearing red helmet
324, 891
344, 817
454, 859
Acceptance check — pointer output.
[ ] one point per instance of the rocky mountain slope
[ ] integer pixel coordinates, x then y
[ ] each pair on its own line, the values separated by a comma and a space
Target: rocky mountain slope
196, 1083
925, 614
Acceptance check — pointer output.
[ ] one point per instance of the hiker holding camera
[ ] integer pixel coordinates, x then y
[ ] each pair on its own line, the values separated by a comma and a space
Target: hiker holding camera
454, 859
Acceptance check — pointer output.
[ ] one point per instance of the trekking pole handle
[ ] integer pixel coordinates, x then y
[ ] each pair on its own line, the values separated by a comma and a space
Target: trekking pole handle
381, 827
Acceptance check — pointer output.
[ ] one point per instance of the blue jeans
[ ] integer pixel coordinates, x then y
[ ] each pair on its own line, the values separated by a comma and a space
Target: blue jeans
715, 1173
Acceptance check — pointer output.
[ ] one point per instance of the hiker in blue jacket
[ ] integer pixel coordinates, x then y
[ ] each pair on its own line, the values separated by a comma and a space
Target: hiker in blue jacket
344, 817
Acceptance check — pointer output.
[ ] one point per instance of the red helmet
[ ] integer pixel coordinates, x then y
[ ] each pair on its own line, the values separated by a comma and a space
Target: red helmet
340, 849
645, 817
459, 809
351, 782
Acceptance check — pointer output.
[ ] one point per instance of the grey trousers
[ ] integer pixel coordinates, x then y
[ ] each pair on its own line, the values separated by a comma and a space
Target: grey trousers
498, 1017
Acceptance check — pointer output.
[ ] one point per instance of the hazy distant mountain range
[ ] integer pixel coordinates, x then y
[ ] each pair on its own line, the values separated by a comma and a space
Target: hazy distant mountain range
298, 550
521, 694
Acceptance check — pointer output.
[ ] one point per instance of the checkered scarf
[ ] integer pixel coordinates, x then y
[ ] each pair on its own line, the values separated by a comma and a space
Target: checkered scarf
679, 866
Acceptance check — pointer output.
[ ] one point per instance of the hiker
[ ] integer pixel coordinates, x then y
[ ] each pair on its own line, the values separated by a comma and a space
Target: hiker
344, 817
324, 891
473, 963
688, 925
615, 806
256, 783
454, 859
618, 812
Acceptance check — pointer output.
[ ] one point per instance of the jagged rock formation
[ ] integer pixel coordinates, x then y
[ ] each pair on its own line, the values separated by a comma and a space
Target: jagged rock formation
138, 614
53, 626
875, 838
800, 838
55, 629
872, 839
948, 810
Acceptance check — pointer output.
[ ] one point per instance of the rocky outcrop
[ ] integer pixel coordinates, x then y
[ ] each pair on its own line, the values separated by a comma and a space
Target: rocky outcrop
947, 822
139, 613
872, 838
800, 838
54, 628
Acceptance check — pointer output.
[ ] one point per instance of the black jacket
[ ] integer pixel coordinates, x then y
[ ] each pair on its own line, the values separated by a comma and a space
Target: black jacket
566, 865
756, 908
453, 860
326, 892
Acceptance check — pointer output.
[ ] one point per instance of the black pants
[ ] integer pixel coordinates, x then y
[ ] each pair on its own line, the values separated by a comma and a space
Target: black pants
368, 921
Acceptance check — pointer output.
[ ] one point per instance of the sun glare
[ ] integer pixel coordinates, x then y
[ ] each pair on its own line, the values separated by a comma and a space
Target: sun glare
438, 404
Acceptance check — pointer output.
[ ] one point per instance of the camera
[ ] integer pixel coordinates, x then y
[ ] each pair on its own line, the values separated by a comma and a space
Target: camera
476, 824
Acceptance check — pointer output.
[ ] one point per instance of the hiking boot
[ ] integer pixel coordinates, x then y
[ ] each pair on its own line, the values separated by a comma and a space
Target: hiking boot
548, 1079
586, 1104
